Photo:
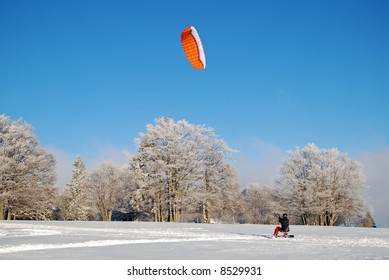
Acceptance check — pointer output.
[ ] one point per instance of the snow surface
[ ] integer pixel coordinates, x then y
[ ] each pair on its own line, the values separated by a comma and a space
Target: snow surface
60, 240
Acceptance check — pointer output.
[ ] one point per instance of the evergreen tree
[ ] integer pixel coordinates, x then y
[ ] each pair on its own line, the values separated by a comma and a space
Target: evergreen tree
76, 202
368, 221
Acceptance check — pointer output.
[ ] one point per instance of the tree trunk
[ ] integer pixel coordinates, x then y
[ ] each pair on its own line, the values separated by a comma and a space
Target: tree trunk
156, 215
305, 219
105, 215
158, 212
322, 219
332, 218
2, 212
206, 214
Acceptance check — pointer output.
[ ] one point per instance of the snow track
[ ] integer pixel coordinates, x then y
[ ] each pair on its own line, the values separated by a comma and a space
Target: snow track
100, 243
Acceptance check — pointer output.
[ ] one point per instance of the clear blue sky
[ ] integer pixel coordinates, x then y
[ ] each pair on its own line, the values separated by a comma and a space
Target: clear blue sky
90, 75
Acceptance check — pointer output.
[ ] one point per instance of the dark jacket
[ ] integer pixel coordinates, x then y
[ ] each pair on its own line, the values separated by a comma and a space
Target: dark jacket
284, 223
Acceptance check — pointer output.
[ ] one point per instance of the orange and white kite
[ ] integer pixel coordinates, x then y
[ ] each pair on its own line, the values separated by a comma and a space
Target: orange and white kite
193, 48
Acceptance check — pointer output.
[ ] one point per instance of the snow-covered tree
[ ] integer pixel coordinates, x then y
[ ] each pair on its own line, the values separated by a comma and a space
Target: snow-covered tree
321, 185
261, 204
368, 220
106, 184
180, 169
76, 204
27, 173
37, 203
219, 194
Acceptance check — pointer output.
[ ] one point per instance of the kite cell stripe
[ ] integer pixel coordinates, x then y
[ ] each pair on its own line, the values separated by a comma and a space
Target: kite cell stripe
193, 48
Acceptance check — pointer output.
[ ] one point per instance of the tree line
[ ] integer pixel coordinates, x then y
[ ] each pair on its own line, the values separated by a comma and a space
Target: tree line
181, 173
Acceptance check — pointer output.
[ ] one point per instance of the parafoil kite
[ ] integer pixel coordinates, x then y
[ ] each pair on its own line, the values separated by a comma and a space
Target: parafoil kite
193, 48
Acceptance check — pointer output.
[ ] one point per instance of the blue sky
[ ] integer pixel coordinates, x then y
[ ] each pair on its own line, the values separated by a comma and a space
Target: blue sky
90, 75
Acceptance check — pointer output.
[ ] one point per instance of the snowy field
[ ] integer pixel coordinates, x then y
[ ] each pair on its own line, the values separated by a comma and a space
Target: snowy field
27, 240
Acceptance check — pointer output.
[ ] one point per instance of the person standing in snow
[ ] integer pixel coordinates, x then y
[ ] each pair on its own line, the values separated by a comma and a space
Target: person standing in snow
284, 221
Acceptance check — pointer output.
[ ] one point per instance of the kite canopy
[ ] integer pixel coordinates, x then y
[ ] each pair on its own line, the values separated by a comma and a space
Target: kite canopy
193, 48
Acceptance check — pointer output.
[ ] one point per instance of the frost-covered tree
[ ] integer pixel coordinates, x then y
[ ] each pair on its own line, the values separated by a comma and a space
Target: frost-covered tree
27, 173
76, 204
219, 194
106, 184
368, 220
180, 169
37, 203
261, 204
320, 185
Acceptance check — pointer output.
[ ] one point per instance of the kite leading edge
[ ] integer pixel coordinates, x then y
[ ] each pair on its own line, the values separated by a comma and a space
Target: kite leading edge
193, 48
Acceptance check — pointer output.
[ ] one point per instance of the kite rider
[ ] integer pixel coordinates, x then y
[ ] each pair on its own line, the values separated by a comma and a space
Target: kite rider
284, 221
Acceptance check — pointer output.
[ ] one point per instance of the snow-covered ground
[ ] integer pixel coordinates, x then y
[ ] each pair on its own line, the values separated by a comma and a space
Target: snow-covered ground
32, 240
